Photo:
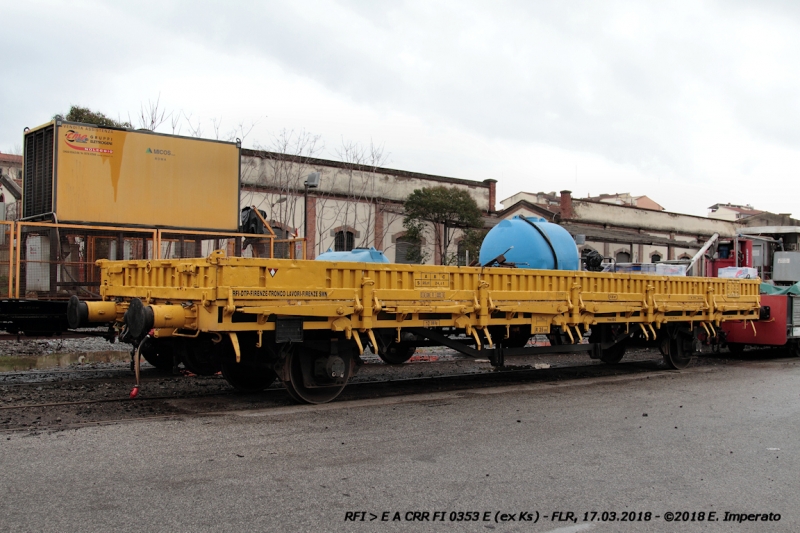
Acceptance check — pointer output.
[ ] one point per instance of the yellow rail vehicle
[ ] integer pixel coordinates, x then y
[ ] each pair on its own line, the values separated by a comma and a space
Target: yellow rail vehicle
307, 322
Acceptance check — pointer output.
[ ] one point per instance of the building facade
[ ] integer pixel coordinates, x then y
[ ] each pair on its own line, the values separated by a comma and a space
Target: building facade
355, 205
10, 185
732, 212
623, 232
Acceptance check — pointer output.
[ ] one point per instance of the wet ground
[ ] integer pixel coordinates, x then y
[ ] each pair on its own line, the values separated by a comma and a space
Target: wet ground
69, 388
624, 448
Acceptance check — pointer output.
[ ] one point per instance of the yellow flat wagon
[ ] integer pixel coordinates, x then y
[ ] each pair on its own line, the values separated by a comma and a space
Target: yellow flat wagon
307, 322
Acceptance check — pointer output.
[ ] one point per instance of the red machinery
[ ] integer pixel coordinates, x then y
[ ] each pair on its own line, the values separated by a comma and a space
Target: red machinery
779, 321
731, 253
778, 325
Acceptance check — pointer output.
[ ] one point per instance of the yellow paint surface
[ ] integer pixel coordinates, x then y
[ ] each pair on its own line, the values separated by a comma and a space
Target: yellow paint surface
128, 177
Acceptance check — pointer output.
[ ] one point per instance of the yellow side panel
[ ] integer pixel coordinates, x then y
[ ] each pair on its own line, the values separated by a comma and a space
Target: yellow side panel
127, 177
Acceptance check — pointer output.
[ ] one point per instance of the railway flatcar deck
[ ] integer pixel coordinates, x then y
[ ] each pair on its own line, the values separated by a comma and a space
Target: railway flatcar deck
307, 322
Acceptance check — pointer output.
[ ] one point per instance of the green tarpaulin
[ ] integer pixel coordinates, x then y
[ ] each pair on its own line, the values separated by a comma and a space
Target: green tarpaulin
766, 288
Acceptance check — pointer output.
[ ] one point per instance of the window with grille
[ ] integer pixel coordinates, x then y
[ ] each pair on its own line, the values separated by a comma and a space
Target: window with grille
462, 254
406, 252
344, 241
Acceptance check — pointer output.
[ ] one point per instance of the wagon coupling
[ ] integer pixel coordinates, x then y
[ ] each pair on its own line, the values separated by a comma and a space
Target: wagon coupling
139, 317
82, 314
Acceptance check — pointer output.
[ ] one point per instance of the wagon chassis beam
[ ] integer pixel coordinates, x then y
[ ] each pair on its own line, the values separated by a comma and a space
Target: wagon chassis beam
497, 353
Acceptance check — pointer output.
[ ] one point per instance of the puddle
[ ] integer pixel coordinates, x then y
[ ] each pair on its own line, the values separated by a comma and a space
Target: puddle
30, 362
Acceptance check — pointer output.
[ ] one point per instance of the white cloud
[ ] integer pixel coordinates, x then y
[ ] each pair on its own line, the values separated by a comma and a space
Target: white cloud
691, 103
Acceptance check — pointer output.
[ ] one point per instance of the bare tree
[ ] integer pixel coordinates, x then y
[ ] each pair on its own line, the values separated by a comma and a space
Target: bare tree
152, 115
175, 122
283, 176
365, 199
242, 130
194, 130
216, 124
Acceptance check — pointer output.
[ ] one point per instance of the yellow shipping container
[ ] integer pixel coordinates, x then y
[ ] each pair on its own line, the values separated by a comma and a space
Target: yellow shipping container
93, 175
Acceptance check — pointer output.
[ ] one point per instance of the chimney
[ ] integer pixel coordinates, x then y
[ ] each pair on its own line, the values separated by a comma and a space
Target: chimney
566, 205
492, 194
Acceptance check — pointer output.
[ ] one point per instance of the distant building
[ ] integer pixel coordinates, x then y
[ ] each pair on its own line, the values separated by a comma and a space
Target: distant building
551, 200
11, 165
356, 205
545, 199
765, 218
10, 184
625, 198
732, 212
619, 230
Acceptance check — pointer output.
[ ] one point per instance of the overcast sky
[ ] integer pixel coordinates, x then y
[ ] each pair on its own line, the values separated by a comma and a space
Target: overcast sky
691, 103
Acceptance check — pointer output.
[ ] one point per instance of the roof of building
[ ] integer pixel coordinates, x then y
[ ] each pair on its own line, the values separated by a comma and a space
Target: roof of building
10, 158
743, 209
552, 198
13, 186
642, 201
621, 236
547, 211
312, 161
766, 218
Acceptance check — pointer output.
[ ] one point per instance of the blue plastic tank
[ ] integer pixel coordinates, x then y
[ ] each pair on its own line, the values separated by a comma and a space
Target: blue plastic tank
357, 255
536, 244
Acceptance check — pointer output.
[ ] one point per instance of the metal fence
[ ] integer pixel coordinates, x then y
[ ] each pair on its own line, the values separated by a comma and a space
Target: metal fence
44, 260
6, 259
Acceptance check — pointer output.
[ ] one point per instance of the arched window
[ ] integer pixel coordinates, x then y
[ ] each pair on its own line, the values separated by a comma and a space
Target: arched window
655, 258
623, 257
344, 241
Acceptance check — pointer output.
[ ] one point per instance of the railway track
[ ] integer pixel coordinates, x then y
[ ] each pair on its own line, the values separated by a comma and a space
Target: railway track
91, 402
5, 336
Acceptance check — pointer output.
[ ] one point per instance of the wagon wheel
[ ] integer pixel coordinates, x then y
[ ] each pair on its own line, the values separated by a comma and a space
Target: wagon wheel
158, 352
663, 345
316, 377
397, 353
613, 354
201, 355
518, 336
677, 356
247, 378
